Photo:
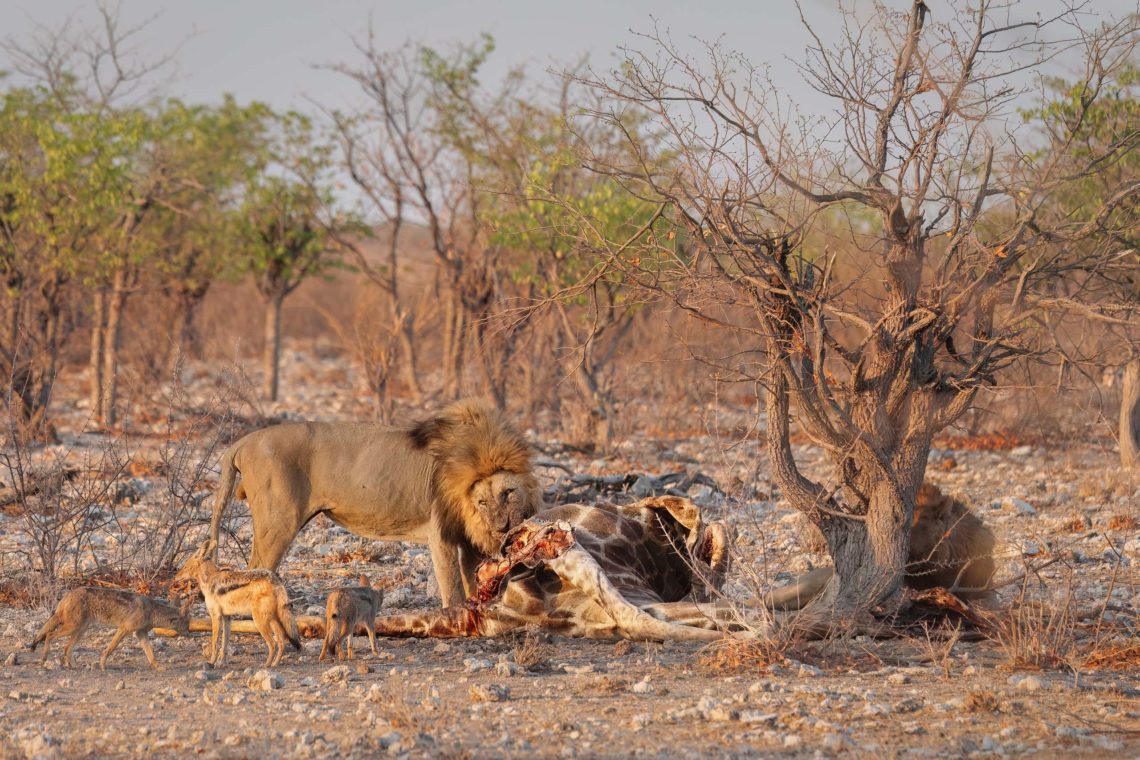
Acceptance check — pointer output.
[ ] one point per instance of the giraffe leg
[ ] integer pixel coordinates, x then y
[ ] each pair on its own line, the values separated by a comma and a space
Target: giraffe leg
448, 622
717, 616
578, 567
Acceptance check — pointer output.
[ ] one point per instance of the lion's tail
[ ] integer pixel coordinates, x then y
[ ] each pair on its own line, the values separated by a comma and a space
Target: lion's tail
225, 492
799, 592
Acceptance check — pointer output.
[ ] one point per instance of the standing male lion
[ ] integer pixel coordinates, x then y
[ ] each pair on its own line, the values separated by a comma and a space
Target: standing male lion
458, 481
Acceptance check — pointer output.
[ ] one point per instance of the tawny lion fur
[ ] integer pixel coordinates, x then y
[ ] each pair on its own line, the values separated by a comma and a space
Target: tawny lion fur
950, 547
458, 481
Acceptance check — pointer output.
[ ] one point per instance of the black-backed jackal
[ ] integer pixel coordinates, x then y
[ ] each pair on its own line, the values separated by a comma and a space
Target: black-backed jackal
346, 608
257, 593
128, 611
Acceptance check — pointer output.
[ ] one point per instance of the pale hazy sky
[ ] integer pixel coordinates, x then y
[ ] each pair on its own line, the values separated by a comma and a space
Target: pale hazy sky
265, 49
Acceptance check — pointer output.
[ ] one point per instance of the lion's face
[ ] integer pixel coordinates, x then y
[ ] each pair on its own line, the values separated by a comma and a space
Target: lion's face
503, 501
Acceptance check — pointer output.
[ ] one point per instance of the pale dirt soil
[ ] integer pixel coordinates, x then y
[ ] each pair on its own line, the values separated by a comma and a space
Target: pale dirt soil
854, 697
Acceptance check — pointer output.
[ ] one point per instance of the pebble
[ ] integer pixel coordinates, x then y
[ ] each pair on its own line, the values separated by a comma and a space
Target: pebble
757, 716
642, 687
1030, 683
898, 679
579, 670
491, 692
265, 680
1014, 504
475, 664
833, 742
506, 668
336, 674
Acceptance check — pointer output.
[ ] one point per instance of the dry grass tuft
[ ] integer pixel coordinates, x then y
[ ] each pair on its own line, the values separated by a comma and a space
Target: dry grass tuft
982, 701
1076, 524
1123, 522
365, 552
1002, 440
531, 649
1037, 635
752, 655
1124, 656
740, 656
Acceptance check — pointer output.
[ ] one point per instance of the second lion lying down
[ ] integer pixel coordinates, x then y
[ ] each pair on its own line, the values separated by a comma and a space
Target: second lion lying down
628, 571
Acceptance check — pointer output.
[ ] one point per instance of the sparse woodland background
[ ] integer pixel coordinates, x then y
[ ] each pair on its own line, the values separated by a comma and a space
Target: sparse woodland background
603, 252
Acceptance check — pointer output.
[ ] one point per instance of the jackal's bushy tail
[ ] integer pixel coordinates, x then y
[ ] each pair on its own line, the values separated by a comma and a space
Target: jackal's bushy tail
285, 615
47, 628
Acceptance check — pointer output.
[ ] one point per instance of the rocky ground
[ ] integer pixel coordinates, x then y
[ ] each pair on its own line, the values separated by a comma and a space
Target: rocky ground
534, 696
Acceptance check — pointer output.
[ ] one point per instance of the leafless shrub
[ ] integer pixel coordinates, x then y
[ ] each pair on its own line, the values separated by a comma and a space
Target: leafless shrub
61, 506
1038, 632
531, 649
940, 648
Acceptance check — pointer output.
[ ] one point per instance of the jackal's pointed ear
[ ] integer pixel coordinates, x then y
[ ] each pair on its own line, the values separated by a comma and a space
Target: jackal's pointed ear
364, 581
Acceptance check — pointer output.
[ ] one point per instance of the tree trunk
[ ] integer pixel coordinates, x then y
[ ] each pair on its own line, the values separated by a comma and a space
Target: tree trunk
870, 555
407, 320
95, 364
494, 364
1130, 415
455, 335
116, 304
188, 342
598, 403
272, 357
38, 421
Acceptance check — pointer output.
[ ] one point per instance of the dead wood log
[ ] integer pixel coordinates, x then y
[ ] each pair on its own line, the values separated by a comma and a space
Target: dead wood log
585, 488
34, 483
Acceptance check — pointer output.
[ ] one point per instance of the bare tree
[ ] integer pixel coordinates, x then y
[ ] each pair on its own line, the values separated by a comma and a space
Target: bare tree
873, 342
423, 150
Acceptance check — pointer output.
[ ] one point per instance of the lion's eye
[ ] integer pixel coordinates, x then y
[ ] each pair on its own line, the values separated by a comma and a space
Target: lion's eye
482, 502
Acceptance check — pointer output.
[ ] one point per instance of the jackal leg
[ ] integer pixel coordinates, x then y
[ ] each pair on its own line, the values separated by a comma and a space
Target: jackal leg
224, 652
119, 634
76, 635
279, 636
266, 631
147, 649
216, 624
371, 630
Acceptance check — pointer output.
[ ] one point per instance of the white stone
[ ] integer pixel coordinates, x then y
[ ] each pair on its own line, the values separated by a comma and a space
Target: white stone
265, 680
642, 687
1014, 504
1030, 683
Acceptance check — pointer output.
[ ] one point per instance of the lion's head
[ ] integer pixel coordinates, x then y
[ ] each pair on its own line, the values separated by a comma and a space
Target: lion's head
483, 483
